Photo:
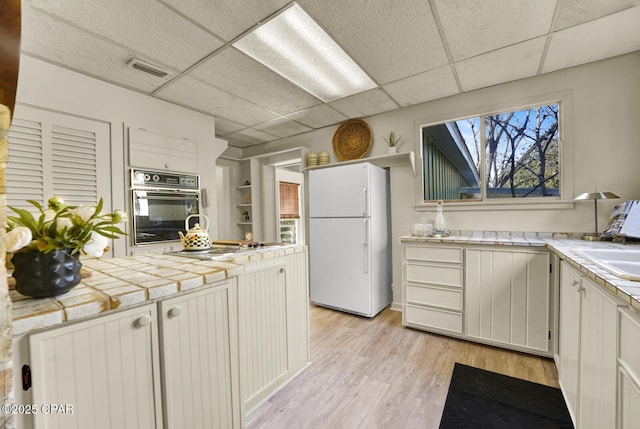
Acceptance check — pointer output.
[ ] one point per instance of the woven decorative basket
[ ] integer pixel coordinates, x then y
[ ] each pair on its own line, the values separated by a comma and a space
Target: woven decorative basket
352, 140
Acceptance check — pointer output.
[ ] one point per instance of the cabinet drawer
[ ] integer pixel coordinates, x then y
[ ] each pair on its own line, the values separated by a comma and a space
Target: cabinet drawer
434, 254
629, 353
431, 317
434, 274
439, 297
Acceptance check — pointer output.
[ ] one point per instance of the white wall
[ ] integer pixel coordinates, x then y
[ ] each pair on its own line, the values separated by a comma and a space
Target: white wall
603, 125
51, 87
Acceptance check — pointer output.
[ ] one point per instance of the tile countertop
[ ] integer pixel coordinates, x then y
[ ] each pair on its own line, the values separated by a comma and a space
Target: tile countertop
562, 244
122, 282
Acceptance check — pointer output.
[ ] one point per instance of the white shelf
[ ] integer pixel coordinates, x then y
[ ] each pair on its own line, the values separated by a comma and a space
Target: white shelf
243, 187
243, 205
391, 160
244, 223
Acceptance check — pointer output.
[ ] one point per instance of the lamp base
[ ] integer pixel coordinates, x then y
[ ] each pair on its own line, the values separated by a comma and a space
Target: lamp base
594, 237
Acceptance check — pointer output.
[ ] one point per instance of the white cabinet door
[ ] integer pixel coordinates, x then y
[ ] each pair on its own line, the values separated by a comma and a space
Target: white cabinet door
598, 341
106, 369
199, 359
569, 341
507, 297
297, 290
159, 152
629, 369
262, 322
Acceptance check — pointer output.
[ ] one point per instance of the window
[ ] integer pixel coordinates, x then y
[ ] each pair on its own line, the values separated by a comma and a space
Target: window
513, 154
289, 212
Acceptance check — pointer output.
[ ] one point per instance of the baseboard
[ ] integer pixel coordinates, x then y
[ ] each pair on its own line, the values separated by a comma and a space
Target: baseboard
396, 307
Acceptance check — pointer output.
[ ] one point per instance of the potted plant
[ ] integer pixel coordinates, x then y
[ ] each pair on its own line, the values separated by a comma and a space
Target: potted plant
393, 142
46, 249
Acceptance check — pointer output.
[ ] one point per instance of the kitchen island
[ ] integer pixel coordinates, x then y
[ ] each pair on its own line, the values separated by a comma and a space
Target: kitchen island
164, 341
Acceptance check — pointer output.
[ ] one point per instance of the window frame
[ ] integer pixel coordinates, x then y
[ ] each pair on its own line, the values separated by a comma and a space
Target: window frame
566, 153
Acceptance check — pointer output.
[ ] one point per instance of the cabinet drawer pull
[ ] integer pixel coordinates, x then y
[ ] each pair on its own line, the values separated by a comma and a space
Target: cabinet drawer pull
283, 269
175, 312
143, 321
575, 283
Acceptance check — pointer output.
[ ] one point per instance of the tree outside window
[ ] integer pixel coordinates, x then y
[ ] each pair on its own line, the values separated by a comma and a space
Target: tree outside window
519, 152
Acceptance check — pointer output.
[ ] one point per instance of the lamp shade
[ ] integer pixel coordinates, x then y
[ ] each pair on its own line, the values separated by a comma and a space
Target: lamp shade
596, 196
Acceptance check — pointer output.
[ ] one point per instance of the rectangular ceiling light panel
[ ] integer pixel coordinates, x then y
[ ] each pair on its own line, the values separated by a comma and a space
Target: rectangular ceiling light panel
294, 46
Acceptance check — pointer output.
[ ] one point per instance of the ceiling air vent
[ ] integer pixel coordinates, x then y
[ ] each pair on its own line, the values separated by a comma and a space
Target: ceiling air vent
147, 68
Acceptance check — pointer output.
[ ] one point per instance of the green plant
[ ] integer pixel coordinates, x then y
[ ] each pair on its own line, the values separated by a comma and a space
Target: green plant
80, 228
392, 140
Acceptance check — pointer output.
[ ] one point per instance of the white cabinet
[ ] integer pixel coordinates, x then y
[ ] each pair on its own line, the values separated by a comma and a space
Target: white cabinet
106, 369
162, 153
569, 333
507, 297
629, 370
200, 359
433, 288
273, 325
588, 344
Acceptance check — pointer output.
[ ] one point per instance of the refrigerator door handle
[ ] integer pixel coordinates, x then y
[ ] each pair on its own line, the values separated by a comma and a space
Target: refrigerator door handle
365, 245
364, 208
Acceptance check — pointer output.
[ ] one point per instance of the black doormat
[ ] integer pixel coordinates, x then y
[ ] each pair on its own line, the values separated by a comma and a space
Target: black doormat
484, 399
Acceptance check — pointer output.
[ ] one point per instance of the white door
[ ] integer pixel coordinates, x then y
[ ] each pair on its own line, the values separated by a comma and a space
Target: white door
339, 191
569, 341
340, 264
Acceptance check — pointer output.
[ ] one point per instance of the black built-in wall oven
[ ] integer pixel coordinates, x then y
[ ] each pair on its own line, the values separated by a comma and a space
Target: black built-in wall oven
160, 203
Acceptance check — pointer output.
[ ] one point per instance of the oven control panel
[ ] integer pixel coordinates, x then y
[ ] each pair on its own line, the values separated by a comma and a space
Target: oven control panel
154, 179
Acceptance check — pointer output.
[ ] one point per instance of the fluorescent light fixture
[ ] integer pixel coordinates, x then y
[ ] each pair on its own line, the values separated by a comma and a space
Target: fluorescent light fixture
294, 46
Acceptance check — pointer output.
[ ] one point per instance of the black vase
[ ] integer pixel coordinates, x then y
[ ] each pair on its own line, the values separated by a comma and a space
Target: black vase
41, 275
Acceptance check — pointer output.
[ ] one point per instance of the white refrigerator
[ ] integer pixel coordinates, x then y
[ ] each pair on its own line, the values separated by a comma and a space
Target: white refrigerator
349, 245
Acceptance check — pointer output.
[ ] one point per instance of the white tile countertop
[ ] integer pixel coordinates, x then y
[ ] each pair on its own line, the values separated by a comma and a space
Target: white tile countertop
562, 244
116, 283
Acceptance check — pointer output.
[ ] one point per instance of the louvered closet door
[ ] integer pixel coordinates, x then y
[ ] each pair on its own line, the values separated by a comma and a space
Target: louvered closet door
56, 154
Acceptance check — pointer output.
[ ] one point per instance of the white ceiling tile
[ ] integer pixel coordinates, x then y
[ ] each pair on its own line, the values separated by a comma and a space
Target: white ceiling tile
364, 104
236, 73
473, 27
423, 87
519, 61
584, 43
574, 12
389, 40
145, 26
79, 53
252, 136
282, 127
225, 126
318, 116
190, 92
227, 19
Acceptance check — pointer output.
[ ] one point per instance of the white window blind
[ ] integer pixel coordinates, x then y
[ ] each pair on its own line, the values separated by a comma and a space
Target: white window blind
56, 154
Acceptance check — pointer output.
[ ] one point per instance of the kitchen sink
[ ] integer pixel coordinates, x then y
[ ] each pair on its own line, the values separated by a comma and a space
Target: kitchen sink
624, 263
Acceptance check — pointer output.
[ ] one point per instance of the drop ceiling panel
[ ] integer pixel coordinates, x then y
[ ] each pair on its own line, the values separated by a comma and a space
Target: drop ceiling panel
252, 136
78, 53
520, 61
423, 87
190, 92
225, 126
389, 40
584, 43
473, 28
227, 19
282, 127
574, 12
364, 104
145, 26
318, 116
236, 73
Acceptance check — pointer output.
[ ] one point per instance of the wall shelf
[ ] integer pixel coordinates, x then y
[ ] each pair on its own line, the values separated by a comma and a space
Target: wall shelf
390, 160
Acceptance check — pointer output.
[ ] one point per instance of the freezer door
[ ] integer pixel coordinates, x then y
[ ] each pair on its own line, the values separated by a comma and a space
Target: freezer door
341, 191
340, 264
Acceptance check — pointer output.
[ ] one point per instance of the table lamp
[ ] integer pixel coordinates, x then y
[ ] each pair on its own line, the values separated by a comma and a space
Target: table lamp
595, 196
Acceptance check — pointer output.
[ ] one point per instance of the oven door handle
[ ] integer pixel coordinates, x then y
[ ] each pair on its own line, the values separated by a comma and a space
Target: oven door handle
165, 197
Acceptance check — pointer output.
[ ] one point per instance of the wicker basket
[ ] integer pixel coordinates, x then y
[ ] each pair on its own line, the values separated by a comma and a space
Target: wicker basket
352, 140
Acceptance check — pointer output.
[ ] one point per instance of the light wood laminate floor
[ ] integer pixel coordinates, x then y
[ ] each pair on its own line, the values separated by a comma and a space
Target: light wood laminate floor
374, 373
